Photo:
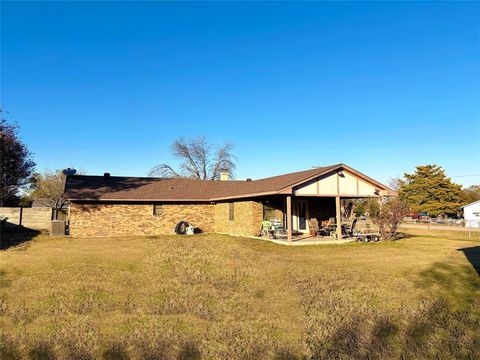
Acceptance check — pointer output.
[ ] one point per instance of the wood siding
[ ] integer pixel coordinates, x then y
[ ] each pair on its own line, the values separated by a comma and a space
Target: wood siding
334, 185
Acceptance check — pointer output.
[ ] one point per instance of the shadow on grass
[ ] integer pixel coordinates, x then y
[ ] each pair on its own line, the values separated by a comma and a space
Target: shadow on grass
473, 256
444, 324
445, 276
10, 237
9, 349
42, 351
404, 235
115, 351
460, 283
286, 354
189, 351
434, 331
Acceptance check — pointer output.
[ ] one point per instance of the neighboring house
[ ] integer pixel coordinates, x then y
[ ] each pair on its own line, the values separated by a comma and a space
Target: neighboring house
109, 205
471, 214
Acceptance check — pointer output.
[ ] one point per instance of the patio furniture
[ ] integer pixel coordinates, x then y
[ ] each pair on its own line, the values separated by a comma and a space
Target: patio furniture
274, 229
267, 229
325, 230
279, 232
331, 228
366, 231
349, 229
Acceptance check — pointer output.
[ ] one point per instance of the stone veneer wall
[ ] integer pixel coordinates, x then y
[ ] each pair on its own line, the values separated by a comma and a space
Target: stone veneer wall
247, 218
137, 219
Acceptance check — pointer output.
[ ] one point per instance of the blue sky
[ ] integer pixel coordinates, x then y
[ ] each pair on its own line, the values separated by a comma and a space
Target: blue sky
383, 87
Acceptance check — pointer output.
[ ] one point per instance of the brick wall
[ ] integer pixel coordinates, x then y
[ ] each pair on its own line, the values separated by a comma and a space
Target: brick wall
247, 218
136, 219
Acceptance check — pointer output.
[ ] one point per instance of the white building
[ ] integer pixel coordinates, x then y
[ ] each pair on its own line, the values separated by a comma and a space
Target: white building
471, 214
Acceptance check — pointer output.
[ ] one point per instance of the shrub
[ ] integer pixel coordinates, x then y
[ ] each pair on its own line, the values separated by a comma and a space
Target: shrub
388, 216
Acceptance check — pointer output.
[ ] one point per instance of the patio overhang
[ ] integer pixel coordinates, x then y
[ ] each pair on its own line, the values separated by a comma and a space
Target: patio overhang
340, 183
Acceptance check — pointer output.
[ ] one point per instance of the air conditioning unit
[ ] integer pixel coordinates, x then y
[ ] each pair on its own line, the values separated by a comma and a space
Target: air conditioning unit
57, 227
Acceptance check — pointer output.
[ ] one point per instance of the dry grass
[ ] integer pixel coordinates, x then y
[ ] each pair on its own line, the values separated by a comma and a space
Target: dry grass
217, 297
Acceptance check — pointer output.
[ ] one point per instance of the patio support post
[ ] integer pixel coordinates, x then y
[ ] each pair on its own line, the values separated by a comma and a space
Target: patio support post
289, 218
338, 217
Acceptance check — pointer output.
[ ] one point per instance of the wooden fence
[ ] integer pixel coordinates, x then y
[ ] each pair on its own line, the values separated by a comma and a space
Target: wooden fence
30, 218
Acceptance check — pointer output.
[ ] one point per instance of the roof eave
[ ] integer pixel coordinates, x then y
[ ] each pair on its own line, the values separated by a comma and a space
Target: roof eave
247, 195
137, 200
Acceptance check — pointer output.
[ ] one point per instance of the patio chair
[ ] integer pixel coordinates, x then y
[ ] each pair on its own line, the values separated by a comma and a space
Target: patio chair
266, 228
277, 231
326, 229
349, 229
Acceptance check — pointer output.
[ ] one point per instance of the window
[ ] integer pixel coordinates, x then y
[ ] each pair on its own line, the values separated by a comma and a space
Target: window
268, 212
157, 209
231, 211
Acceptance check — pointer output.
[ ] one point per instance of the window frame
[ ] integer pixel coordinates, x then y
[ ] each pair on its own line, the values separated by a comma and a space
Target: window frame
158, 209
231, 211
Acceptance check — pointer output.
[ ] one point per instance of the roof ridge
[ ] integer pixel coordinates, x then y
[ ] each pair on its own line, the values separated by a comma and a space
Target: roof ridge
152, 178
300, 171
321, 168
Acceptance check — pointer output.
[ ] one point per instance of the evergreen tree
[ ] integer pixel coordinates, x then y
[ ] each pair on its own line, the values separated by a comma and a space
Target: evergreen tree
430, 190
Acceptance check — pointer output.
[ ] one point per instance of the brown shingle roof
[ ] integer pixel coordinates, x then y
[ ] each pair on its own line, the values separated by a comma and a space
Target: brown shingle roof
116, 188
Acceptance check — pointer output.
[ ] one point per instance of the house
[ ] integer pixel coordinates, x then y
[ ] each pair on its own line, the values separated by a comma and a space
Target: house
471, 214
110, 205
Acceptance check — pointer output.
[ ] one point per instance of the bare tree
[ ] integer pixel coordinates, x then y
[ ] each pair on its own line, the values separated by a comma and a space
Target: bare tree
49, 189
396, 183
388, 216
198, 160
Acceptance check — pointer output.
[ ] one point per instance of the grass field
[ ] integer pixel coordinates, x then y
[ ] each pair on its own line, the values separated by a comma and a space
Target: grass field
221, 297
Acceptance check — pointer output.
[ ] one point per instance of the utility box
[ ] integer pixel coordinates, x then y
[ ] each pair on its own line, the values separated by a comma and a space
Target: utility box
57, 227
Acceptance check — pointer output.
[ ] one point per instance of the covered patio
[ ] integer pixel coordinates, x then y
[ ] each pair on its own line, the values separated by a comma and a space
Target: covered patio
326, 201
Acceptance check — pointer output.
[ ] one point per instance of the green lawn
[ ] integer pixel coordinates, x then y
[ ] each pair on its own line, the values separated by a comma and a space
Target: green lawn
221, 297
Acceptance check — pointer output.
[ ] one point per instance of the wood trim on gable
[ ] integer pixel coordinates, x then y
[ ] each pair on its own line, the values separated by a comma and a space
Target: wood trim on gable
356, 174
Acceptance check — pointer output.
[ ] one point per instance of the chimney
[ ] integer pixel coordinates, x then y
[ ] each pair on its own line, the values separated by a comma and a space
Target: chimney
106, 175
224, 175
